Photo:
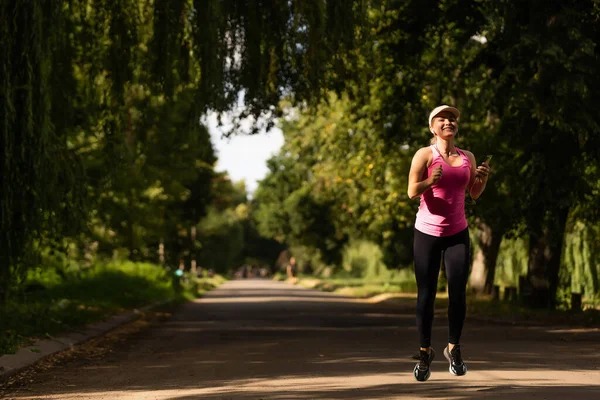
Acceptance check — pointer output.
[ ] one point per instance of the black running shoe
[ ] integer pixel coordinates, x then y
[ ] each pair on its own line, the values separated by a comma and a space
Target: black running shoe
457, 366
422, 370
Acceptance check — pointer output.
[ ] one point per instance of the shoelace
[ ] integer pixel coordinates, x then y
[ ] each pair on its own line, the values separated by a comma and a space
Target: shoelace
456, 356
423, 360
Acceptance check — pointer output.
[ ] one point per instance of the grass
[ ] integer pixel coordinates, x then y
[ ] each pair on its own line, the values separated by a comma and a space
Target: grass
400, 282
57, 306
516, 313
404, 294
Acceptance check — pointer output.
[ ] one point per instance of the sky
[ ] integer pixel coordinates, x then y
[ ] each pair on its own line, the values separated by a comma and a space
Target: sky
243, 156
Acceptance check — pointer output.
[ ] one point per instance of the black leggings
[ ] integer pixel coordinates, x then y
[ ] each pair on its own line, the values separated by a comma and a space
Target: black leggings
428, 256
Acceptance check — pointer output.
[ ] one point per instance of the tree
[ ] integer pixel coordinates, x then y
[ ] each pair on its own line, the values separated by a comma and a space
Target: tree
75, 75
40, 194
543, 58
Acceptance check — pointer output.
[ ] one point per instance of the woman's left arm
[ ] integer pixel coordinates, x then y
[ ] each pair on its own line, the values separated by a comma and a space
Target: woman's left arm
479, 177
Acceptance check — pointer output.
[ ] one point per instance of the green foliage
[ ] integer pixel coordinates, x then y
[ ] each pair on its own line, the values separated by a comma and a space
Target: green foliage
259, 251
49, 305
102, 102
132, 284
221, 236
397, 282
523, 77
581, 258
310, 224
40, 194
580, 264
364, 259
541, 60
309, 262
336, 178
283, 178
512, 261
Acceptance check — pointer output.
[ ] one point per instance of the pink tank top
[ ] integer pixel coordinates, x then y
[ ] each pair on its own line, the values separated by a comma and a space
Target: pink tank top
442, 208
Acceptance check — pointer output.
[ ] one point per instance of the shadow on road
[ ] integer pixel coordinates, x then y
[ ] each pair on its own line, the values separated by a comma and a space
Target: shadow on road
244, 342
416, 391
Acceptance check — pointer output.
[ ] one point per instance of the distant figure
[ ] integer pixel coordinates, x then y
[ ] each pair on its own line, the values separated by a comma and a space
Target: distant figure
291, 269
439, 175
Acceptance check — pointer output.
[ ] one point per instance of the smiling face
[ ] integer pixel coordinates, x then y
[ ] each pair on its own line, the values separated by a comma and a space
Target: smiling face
444, 125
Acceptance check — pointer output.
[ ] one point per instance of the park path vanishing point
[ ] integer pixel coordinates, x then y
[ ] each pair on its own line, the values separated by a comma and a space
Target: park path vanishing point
261, 339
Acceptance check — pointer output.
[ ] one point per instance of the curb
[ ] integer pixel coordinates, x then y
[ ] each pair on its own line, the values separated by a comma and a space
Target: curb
11, 364
394, 300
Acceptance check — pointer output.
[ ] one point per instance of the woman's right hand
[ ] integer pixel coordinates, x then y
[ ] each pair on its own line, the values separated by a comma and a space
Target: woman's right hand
436, 174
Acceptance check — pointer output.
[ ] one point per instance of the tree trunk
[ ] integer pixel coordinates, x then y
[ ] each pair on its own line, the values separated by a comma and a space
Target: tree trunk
545, 250
4, 280
193, 250
130, 226
483, 270
161, 252
5, 261
491, 259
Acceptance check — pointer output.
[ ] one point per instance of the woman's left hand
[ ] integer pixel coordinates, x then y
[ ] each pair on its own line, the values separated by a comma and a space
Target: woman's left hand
482, 172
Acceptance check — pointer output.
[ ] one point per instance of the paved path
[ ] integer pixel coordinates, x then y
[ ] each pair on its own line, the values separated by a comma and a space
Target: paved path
259, 339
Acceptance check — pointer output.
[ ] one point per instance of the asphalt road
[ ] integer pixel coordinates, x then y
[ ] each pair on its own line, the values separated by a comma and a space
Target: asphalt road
260, 339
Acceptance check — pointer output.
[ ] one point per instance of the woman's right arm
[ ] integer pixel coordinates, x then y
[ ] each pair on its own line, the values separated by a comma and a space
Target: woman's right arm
416, 184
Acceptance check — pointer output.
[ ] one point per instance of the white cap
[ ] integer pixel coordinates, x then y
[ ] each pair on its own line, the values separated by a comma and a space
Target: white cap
441, 108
